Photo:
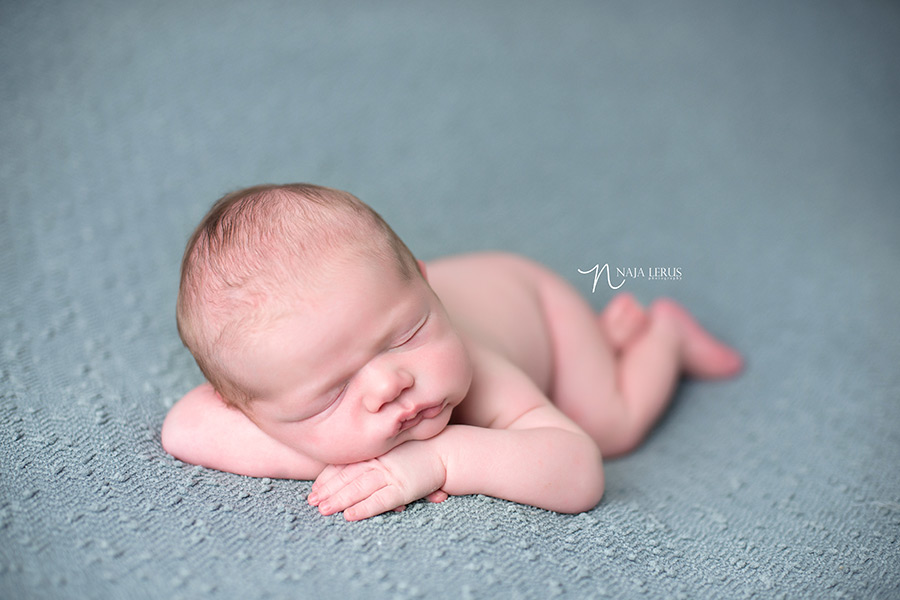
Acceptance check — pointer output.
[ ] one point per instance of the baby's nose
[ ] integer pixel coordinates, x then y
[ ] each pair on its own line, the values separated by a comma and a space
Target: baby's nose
385, 386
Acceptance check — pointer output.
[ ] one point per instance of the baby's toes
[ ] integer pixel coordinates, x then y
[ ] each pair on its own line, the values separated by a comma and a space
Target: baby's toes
704, 355
623, 320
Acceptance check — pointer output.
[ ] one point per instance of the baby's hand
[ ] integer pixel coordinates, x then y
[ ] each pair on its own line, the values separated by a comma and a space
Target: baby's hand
407, 473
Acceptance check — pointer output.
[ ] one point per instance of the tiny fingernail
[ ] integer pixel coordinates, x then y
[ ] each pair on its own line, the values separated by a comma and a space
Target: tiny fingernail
312, 498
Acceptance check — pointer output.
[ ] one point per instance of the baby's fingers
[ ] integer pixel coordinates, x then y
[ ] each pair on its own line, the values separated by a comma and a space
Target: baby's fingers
325, 484
334, 478
348, 489
385, 499
437, 496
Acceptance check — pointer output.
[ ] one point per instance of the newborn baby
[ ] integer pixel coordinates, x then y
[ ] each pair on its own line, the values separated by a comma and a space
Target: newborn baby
333, 355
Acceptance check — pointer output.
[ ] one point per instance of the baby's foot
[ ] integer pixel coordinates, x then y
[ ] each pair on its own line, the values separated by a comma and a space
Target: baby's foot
622, 320
704, 356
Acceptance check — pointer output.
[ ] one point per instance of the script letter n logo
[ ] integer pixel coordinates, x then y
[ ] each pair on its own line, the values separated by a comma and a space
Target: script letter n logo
597, 270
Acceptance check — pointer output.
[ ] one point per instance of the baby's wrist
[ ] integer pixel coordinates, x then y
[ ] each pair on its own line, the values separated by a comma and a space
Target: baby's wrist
445, 447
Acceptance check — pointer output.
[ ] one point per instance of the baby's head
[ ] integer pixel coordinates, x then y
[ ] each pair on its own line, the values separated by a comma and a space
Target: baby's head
292, 296
256, 252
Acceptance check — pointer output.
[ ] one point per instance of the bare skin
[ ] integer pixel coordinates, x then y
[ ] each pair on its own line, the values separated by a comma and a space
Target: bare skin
614, 380
526, 389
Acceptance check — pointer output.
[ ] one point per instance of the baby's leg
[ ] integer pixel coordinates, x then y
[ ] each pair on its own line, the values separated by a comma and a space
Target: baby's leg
617, 399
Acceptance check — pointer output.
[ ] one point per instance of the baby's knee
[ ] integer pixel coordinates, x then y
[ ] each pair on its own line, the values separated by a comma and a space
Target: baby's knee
624, 440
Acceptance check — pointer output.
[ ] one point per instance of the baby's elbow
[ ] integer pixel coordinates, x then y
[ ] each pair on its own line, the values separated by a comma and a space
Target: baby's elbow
171, 436
589, 485
177, 437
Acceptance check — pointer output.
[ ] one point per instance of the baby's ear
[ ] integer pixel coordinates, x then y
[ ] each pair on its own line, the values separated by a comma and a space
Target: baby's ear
422, 269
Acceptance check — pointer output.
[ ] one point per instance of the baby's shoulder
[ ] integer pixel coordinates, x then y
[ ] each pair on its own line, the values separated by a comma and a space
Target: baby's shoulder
497, 299
500, 391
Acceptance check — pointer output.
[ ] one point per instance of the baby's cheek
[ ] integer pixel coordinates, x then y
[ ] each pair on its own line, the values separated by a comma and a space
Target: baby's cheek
462, 367
290, 435
350, 443
305, 439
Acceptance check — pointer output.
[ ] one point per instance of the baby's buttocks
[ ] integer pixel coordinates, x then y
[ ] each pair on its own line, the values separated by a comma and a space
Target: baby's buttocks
493, 298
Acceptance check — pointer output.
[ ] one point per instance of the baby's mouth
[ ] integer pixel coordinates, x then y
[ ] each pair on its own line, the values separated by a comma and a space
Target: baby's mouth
426, 413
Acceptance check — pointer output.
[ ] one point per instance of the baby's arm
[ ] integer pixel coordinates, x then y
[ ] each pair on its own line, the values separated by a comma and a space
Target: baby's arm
202, 430
520, 448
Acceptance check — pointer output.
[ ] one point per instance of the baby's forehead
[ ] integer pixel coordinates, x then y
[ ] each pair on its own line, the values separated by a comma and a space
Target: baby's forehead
291, 286
368, 299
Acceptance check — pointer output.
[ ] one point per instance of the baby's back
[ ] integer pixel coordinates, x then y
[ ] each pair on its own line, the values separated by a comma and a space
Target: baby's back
494, 298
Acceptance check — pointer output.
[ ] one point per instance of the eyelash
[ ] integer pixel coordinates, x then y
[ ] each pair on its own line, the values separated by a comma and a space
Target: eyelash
413, 334
337, 395
340, 391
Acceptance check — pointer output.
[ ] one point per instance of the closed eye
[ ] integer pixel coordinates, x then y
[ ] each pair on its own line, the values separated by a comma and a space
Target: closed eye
412, 334
325, 402
335, 396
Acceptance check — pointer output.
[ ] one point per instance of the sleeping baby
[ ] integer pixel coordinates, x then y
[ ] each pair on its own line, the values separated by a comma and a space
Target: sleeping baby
333, 355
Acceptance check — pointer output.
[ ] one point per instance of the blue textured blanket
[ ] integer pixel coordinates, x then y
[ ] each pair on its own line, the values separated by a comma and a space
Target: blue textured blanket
740, 157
